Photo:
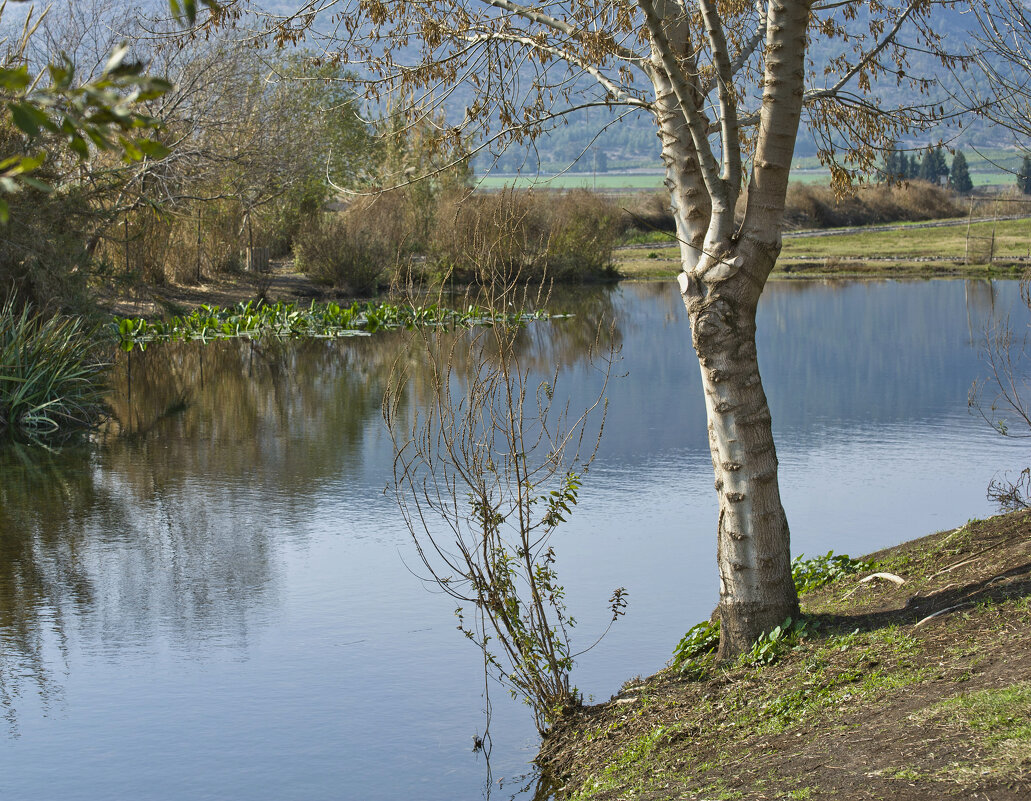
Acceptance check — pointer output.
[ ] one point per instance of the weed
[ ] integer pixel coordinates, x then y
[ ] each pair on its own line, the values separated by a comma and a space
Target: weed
810, 574
697, 649
775, 644
50, 378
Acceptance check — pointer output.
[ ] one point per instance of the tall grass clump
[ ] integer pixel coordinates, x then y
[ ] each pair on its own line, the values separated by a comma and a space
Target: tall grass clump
492, 238
811, 206
335, 251
584, 231
489, 239
51, 381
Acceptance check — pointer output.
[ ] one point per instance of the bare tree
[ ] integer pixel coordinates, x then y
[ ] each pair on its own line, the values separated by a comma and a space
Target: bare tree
727, 82
1003, 57
484, 474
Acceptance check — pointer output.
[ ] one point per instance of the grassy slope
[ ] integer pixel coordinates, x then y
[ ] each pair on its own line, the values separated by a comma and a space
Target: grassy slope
872, 707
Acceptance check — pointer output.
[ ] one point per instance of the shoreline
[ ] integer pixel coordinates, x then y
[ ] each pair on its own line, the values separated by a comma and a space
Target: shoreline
919, 690
290, 287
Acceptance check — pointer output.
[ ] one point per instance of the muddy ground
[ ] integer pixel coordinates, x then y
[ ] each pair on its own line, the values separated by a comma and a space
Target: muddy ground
919, 690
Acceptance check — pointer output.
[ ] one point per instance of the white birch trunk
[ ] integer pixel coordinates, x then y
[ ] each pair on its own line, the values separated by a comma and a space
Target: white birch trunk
721, 284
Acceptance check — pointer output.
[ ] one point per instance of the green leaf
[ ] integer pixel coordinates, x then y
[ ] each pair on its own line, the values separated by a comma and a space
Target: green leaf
154, 150
15, 79
132, 152
40, 185
4, 212
27, 118
186, 10
61, 74
116, 59
79, 147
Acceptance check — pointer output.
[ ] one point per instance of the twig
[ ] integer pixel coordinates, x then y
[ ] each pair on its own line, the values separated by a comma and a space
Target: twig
942, 612
967, 561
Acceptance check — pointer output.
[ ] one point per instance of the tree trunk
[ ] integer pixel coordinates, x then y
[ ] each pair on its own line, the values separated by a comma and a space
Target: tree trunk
725, 266
756, 589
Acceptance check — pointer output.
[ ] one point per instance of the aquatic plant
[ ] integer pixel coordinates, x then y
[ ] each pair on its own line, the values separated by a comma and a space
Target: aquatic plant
50, 375
327, 320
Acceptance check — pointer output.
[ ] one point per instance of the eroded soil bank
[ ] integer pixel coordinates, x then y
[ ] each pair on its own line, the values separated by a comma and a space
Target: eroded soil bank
884, 701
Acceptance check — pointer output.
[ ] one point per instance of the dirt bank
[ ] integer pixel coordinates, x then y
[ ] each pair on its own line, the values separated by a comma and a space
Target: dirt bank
888, 700
280, 283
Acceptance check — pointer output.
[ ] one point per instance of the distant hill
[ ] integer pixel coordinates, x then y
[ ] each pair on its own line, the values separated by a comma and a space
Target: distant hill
631, 143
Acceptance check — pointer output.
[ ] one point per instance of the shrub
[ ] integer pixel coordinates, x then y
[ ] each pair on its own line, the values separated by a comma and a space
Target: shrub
50, 378
490, 238
811, 206
516, 235
335, 251
44, 253
647, 212
584, 227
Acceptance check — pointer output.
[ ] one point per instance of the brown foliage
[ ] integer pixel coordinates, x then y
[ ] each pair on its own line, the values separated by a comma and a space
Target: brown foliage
484, 238
810, 206
345, 252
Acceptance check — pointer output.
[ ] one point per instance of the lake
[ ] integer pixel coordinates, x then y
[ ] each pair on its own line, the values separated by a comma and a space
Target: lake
216, 599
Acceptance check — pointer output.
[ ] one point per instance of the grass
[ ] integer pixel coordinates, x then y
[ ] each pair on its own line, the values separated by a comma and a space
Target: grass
868, 706
1003, 714
575, 180
996, 168
950, 242
829, 677
911, 247
51, 381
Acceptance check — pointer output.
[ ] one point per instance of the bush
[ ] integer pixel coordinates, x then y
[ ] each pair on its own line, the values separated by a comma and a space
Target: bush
516, 235
811, 206
337, 251
489, 238
584, 229
51, 381
645, 213
44, 255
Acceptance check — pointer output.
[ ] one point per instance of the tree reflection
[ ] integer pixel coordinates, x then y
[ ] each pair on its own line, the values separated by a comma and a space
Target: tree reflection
164, 527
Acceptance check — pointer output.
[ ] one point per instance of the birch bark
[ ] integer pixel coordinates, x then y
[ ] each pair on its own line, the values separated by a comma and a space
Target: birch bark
721, 283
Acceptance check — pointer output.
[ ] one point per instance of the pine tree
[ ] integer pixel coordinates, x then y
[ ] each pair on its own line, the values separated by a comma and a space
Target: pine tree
1024, 176
959, 179
933, 168
896, 166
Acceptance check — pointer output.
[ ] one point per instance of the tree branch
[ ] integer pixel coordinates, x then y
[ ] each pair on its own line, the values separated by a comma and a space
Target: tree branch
862, 64
683, 90
728, 103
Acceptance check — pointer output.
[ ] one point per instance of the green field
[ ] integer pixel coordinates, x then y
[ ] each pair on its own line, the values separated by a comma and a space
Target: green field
575, 180
1012, 240
990, 167
910, 249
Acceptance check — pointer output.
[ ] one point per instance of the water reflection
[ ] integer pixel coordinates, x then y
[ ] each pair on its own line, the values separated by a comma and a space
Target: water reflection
227, 532
162, 529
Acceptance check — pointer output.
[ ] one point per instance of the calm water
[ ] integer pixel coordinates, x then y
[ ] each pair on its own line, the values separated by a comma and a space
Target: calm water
212, 601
